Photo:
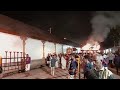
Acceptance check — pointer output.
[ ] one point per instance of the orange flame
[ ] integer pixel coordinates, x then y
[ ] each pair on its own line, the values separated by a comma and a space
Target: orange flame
89, 46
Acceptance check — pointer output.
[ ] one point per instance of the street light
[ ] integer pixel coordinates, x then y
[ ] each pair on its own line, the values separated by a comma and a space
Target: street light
50, 30
65, 38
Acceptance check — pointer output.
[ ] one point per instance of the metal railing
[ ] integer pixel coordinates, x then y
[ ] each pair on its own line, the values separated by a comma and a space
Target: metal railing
13, 63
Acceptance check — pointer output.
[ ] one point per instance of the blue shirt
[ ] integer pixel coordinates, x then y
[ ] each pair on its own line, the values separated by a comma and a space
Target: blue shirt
73, 65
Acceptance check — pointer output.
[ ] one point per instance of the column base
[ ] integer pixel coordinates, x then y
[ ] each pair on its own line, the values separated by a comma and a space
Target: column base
43, 62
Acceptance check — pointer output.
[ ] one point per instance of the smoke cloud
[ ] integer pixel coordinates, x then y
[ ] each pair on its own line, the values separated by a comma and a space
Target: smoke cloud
101, 22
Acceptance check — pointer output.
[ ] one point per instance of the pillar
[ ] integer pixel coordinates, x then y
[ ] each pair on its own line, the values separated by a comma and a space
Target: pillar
55, 47
62, 49
24, 38
0, 61
43, 42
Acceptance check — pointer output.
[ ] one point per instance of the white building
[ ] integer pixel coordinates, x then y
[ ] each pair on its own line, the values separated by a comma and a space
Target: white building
38, 43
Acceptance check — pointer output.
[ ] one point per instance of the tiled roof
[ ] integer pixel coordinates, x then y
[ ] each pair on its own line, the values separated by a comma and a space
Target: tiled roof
12, 26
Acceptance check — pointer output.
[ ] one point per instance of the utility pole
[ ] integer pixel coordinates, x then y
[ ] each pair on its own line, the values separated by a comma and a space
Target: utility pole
50, 30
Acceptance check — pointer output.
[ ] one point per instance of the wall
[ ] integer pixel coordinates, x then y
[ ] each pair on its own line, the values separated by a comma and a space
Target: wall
9, 43
58, 48
49, 48
34, 48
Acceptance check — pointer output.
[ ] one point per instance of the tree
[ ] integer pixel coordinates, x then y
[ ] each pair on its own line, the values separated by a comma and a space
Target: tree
114, 35
113, 38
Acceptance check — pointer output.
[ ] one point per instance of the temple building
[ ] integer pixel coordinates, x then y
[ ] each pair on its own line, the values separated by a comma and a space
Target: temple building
16, 36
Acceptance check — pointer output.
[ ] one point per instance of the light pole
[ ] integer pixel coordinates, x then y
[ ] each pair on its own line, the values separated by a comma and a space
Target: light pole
50, 30
62, 49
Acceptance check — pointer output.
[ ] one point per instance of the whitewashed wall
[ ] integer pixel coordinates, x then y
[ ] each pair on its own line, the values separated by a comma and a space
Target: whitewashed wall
9, 43
58, 48
78, 49
34, 48
49, 48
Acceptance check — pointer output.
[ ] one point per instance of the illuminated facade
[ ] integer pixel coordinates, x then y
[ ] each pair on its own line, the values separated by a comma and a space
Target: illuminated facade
10, 39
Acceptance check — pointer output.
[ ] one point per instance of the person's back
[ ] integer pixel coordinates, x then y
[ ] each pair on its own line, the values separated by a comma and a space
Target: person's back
53, 61
105, 73
99, 72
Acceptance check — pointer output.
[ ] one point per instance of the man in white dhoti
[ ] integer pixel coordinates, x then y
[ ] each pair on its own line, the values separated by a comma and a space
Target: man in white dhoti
28, 61
63, 62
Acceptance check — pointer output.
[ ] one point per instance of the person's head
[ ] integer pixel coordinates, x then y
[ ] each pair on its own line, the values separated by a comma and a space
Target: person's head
98, 65
53, 56
27, 55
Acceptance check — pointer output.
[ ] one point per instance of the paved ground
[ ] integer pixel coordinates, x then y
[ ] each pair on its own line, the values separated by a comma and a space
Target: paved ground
41, 73
44, 73
115, 74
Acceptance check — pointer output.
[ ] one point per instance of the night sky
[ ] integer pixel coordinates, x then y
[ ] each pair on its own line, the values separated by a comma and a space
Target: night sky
73, 25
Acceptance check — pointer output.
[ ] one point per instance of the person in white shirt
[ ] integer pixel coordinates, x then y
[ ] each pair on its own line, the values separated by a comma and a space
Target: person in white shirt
63, 62
104, 72
104, 56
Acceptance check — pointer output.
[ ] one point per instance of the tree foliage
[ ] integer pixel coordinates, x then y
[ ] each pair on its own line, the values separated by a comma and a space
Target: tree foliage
113, 37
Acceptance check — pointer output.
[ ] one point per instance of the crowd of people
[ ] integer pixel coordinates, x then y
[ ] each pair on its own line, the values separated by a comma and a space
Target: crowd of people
63, 61
94, 65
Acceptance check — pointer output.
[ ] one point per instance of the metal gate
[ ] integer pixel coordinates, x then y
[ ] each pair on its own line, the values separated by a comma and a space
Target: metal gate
14, 61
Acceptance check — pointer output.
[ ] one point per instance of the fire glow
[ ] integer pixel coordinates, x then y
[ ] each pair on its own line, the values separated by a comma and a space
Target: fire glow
89, 46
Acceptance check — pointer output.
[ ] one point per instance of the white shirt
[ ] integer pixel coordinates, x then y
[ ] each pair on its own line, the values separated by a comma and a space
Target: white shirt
99, 57
108, 73
105, 56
